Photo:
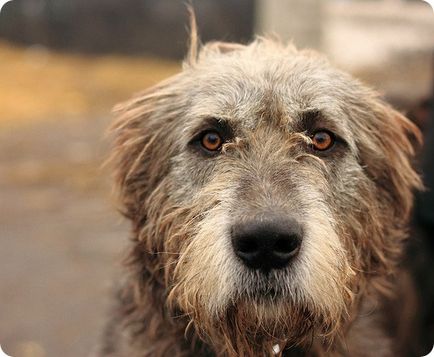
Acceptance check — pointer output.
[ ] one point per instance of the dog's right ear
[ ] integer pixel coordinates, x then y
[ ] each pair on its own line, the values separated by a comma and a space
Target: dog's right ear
142, 137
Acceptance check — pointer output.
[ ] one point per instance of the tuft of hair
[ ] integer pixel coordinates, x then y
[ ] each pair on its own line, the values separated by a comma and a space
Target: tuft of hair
194, 37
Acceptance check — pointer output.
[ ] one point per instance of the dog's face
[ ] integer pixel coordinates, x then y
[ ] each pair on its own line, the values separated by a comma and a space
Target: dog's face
267, 190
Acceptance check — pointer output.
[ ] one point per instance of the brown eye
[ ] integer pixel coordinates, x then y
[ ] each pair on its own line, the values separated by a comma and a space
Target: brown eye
322, 140
212, 141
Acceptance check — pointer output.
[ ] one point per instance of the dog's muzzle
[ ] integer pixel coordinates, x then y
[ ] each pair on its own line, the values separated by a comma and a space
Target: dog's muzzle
267, 242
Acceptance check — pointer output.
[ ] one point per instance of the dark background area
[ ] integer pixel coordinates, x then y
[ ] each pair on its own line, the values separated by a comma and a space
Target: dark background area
156, 27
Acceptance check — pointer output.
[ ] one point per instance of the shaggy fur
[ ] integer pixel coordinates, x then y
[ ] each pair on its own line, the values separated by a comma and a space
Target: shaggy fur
186, 293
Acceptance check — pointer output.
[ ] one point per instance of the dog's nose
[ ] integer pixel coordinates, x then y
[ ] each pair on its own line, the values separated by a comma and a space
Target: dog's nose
267, 243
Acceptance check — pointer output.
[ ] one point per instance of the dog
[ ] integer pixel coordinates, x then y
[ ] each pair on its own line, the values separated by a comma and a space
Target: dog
269, 195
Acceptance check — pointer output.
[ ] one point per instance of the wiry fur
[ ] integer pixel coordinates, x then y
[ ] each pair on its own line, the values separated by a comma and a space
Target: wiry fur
186, 293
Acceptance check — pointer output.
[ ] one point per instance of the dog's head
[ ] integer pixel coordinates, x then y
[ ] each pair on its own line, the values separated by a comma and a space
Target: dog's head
266, 190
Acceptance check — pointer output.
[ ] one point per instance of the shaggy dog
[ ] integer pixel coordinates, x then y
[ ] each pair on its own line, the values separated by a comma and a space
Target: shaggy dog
268, 195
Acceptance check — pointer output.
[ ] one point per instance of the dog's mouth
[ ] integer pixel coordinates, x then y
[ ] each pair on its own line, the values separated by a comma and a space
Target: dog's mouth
269, 296
268, 293
262, 287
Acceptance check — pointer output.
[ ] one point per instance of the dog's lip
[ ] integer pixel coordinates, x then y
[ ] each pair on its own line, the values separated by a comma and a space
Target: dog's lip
265, 292
271, 292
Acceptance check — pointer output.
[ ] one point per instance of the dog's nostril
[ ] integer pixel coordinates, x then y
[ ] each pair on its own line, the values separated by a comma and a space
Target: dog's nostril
267, 243
248, 246
284, 245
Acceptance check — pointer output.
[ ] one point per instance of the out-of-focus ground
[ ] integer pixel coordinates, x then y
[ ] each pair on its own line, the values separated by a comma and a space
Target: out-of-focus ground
36, 84
60, 235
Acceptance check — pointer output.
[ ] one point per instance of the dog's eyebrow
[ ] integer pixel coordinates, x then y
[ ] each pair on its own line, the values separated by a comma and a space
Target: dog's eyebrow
313, 119
220, 124
309, 121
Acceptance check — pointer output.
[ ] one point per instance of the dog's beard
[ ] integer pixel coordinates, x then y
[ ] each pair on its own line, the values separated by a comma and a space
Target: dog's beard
255, 325
243, 311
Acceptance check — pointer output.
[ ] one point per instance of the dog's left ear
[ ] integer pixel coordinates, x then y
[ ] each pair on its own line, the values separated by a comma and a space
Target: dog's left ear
394, 140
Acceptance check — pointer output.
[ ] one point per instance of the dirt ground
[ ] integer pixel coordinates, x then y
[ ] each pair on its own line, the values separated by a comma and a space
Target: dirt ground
61, 238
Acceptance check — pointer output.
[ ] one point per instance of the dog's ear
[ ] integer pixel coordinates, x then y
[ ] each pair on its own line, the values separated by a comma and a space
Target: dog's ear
142, 144
389, 158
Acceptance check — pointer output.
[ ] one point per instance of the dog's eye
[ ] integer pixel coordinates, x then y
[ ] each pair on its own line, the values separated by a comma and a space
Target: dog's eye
322, 140
212, 141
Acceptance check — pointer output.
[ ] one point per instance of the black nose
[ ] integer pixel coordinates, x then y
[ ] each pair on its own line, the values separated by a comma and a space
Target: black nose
267, 242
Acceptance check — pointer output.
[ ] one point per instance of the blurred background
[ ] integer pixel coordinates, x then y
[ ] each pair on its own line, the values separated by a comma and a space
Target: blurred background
65, 63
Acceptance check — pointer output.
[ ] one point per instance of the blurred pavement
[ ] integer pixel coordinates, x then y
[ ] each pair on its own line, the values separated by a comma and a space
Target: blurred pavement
61, 238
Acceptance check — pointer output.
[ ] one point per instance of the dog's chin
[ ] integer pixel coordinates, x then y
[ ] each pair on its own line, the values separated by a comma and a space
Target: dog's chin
271, 305
263, 310
258, 321
265, 302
